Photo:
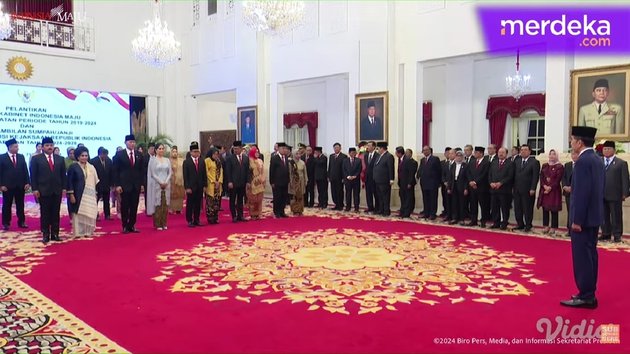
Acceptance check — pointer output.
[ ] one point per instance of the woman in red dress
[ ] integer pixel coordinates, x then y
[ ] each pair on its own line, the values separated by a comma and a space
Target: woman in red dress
550, 194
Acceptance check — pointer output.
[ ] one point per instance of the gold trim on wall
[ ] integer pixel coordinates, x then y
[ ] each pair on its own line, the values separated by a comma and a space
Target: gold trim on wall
19, 68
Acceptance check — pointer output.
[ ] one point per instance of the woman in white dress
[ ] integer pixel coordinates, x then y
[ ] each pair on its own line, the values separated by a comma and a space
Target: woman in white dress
159, 187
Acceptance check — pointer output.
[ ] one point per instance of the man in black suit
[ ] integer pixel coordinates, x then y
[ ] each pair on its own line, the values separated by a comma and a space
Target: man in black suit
478, 187
335, 176
526, 175
14, 182
195, 183
238, 177
279, 180
48, 179
309, 195
370, 157
458, 188
501, 178
407, 168
129, 176
446, 168
352, 179
383, 178
103, 166
430, 176
321, 177
566, 185
371, 125
615, 193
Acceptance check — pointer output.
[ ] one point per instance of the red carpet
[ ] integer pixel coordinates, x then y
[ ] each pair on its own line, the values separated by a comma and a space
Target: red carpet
273, 286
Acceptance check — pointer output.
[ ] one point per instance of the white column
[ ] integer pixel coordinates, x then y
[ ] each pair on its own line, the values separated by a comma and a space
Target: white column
558, 85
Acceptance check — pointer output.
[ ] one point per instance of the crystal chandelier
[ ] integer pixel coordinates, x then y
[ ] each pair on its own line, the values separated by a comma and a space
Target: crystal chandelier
517, 84
5, 24
156, 45
273, 18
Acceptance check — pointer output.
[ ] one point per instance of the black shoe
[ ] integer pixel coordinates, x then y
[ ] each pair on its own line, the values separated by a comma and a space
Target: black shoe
55, 238
125, 230
527, 229
134, 230
23, 226
617, 240
234, 220
432, 218
45, 239
472, 223
284, 216
191, 224
580, 303
495, 226
197, 223
346, 209
520, 227
503, 227
5, 227
242, 219
604, 238
482, 225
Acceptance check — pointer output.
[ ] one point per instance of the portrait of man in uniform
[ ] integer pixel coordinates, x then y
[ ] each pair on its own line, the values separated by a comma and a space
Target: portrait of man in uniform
599, 99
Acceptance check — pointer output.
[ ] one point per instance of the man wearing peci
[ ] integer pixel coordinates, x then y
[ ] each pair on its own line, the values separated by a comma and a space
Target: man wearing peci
352, 179
383, 179
129, 177
606, 117
14, 182
615, 192
586, 215
371, 125
370, 158
279, 180
335, 176
195, 183
430, 176
48, 179
238, 177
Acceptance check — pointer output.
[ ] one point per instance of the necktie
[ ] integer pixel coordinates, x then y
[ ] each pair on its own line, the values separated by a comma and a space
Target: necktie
501, 163
523, 164
599, 109
14, 162
239, 160
351, 161
370, 157
196, 164
607, 162
283, 162
131, 159
50, 163
478, 161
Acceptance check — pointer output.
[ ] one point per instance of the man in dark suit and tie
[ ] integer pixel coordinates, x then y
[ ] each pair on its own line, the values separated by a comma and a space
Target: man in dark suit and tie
446, 167
48, 179
615, 192
321, 177
352, 179
526, 175
195, 183
238, 177
566, 185
501, 178
370, 157
478, 187
371, 126
407, 168
129, 177
103, 166
587, 193
335, 175
458, 188
430, 176
14, 182
279, 180
384, 178
309, 160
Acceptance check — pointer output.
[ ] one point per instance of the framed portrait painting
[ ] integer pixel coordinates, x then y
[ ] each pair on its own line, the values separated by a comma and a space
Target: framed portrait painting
247, 118
600, 98
372, 116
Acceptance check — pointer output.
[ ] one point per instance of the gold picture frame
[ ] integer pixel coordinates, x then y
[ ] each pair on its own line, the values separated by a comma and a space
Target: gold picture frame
377, 128
606, 110
247, 131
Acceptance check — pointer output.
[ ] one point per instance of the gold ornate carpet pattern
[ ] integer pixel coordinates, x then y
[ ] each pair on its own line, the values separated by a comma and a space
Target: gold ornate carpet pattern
31, 323
348, 270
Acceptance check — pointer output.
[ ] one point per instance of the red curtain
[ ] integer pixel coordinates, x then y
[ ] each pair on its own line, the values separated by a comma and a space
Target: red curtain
427, 118
499, 107
301, 119
39, 9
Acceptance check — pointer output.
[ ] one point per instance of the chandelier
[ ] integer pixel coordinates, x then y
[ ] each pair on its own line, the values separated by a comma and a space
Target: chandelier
517, 84
273, 18
5, 24
156, 45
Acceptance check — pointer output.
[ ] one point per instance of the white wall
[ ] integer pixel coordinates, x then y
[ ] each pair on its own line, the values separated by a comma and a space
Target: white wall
213, 115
